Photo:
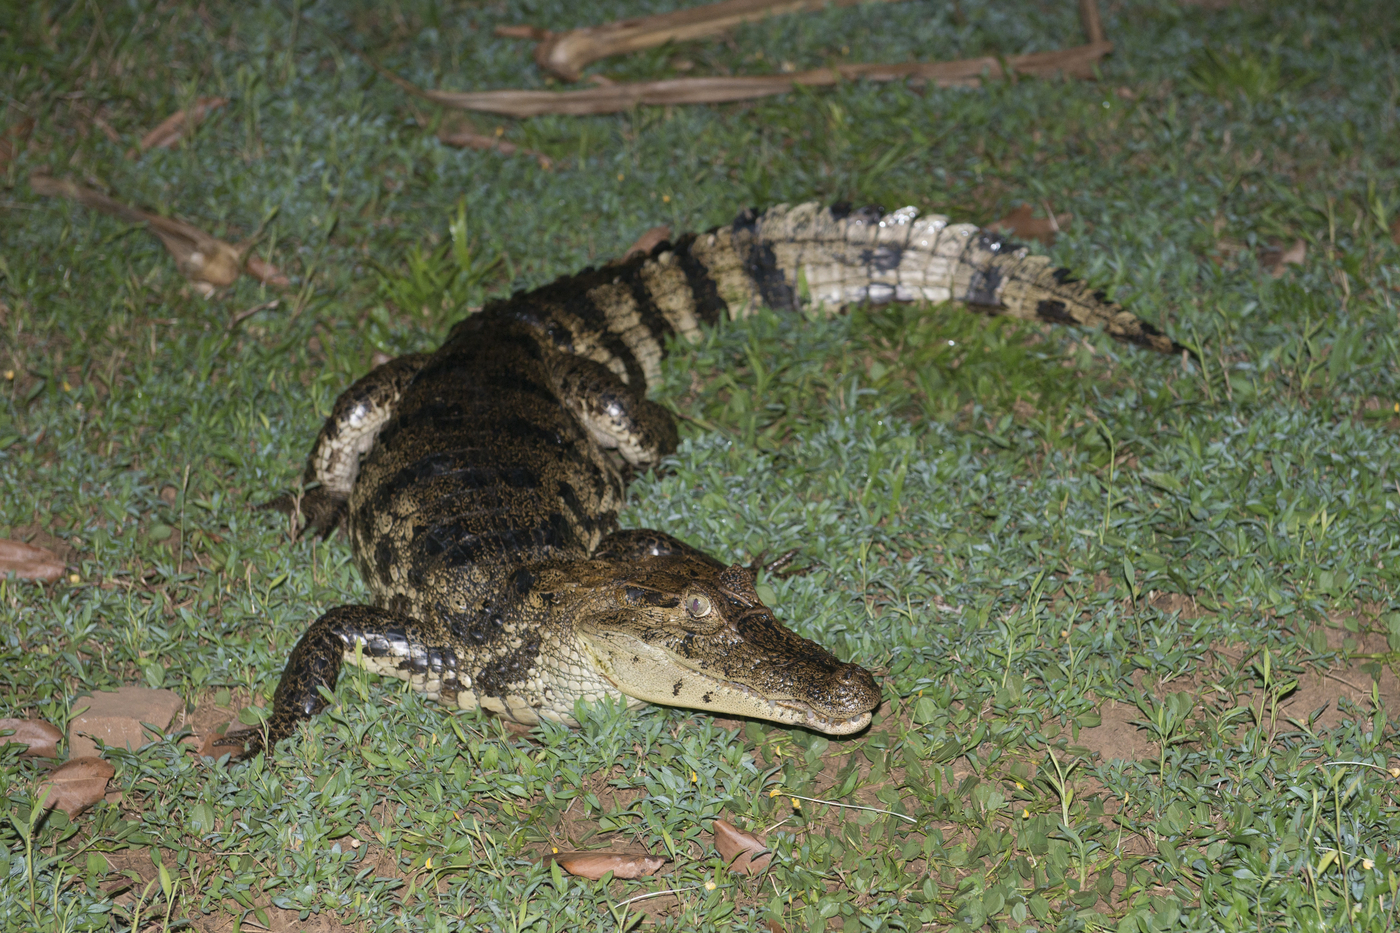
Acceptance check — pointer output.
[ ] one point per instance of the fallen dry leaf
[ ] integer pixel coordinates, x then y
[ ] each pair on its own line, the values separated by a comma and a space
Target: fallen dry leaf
1274, 259
117, 716
77, 784
744, 852
647, 242
41, 737
594, 865
566, 53
467, 139
523, 32
13, 139
1089, 19
1023, 224
174, 127
29, 562
772, 926
1076, 62
208, 262
265, 272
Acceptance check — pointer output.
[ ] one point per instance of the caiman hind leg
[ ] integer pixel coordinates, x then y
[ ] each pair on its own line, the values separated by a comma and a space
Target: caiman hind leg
360, 413
382, 641
618, 416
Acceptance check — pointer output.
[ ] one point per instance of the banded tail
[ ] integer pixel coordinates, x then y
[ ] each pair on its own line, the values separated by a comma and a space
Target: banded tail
808, 255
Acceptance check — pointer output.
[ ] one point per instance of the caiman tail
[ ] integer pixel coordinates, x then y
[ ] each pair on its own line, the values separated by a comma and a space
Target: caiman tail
813, 256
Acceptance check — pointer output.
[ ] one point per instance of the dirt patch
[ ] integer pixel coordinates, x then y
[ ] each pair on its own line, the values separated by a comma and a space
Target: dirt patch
1116, 736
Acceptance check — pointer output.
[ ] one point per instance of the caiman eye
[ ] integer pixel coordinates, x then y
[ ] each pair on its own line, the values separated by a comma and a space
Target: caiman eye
697, 606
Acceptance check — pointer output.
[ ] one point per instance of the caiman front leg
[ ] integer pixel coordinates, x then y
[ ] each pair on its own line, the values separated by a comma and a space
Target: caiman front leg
640, 543
360, 413
384, 642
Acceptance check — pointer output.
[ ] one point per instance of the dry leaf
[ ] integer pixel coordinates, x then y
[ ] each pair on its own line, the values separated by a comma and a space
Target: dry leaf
28, 562
41, 737
208, 262
1023, 224
13, 139
594, 865
523, 32
1274, 259
1076, 62
466, 139
566, 53
772, 926
647, 242
265, 272
173, 128
744, 852
1395, 231
77, 784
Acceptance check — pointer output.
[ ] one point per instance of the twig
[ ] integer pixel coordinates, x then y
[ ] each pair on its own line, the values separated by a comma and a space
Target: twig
1089, 16
242, 316
208, 262
779, 792
1076, 62
566, 53
466, 139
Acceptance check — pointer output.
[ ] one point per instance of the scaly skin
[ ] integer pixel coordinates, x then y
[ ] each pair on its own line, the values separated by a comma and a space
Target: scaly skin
482, 497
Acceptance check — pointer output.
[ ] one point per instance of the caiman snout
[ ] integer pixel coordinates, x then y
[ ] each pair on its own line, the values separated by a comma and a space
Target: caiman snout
851, 687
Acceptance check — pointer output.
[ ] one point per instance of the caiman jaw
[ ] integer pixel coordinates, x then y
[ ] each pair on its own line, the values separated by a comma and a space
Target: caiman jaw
656, 675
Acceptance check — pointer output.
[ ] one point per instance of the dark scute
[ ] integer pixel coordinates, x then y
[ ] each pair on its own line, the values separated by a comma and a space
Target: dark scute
384, 554
747, 219
1064, 276
869, 214
1101, 295
840, 210
983, 288
762, 267
522, 580
991, 240
709, 306
883, 258
1056, 312
495, 678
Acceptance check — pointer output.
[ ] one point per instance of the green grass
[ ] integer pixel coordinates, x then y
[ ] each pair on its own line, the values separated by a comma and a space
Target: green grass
1038, 538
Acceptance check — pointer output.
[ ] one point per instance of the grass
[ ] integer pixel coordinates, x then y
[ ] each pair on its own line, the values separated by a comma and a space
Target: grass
1136, 619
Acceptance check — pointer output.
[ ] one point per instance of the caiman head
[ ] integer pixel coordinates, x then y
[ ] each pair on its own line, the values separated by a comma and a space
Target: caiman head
681, 632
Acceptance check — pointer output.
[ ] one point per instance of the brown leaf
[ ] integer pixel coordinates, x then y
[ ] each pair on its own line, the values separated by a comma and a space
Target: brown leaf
13, 139
566, 53
1395, 231
77, 784
745, 853
594, 865
1274, 258
265, 272
1023, 224
207, 261
468, 139
772, 926
1075, 62
173, 128
28, 562
523, 32
647, 242
41, 737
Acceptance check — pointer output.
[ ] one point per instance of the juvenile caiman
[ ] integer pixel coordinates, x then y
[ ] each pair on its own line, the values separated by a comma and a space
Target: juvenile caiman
482, 500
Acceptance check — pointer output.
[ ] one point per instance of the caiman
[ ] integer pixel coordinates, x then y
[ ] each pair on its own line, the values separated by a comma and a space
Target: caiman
480, 483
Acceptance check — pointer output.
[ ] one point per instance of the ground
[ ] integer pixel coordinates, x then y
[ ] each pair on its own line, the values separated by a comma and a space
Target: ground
1135, 617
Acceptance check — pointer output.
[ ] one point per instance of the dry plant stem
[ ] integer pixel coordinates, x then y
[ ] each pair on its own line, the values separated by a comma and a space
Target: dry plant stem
466, 139
1089, 16
1075, 62
207, 261
567, 53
